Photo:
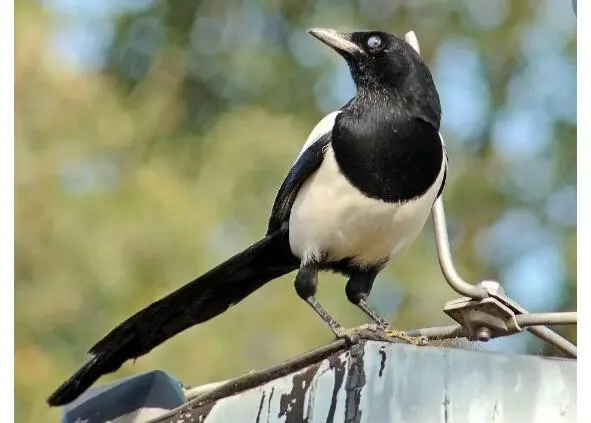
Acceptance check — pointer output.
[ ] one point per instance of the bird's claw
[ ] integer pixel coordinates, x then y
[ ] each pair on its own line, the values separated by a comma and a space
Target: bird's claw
353, 335
350, 335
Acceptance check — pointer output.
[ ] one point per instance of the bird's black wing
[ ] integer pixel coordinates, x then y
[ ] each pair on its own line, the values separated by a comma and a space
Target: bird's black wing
306, 164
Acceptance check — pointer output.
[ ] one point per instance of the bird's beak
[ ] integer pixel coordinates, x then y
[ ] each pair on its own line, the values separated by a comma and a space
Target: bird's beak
339, 41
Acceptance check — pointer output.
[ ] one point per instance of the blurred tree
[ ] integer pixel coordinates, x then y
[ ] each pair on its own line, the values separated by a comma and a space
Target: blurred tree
147, 151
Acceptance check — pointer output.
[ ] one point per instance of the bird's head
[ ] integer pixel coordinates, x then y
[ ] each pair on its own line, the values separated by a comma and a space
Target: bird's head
375, 58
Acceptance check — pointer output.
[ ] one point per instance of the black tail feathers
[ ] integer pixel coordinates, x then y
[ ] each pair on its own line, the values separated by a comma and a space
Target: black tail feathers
198, 301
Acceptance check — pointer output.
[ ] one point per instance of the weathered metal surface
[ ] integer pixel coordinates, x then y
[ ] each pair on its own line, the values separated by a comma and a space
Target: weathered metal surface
373, 382
376, 382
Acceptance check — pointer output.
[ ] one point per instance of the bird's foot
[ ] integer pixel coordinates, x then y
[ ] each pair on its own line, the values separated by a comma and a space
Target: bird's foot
352, 335
386, 328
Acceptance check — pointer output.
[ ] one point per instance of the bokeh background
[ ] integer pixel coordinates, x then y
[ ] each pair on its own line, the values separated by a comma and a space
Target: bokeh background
152, 135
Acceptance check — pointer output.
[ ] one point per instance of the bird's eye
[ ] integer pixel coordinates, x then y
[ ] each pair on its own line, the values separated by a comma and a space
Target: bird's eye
374, 42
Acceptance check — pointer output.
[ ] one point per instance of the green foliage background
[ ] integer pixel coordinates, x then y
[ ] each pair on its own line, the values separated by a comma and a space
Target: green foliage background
136, 176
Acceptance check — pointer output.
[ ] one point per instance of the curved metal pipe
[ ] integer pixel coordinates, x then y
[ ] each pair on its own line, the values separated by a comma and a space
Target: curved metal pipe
444, 255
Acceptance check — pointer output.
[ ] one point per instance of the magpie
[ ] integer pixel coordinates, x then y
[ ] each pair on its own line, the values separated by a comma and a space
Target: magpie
357, 195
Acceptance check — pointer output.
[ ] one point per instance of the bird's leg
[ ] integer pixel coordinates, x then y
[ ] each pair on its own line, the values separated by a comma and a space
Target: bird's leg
306, 283
358, 289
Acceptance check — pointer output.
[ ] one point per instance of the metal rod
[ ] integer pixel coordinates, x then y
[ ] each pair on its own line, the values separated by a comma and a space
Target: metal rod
542, 319
542, 332
547, 335
444, 254
439, 332
196, 391
554, 339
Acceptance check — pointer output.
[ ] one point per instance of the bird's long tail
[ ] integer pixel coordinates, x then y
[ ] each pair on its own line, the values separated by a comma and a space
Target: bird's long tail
200, 300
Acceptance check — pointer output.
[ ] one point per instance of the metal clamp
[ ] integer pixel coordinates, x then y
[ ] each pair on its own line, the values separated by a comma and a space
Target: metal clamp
482, 319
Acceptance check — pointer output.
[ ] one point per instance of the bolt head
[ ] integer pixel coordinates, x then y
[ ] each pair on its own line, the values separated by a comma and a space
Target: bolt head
483, 334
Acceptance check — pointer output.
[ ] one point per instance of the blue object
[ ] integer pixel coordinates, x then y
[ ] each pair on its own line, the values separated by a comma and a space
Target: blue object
131, 400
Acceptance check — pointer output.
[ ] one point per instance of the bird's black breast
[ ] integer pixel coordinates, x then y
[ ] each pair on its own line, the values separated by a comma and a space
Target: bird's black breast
393, 158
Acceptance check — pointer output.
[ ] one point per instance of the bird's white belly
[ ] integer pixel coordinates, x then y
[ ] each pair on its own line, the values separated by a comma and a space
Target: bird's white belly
331, 217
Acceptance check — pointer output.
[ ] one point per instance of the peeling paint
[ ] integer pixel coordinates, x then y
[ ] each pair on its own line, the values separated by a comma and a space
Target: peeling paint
355, 382
338, 367
258, 420
292, 404
446, 414
382, 352
269, 405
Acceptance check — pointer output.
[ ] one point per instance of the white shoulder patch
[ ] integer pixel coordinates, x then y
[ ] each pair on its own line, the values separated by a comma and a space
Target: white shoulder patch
323, 127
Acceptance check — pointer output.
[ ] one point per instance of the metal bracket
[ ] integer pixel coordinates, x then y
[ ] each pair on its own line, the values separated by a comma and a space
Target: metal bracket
482, 319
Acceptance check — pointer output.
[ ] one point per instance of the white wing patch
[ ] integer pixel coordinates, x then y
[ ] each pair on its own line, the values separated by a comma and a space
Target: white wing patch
323, 127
